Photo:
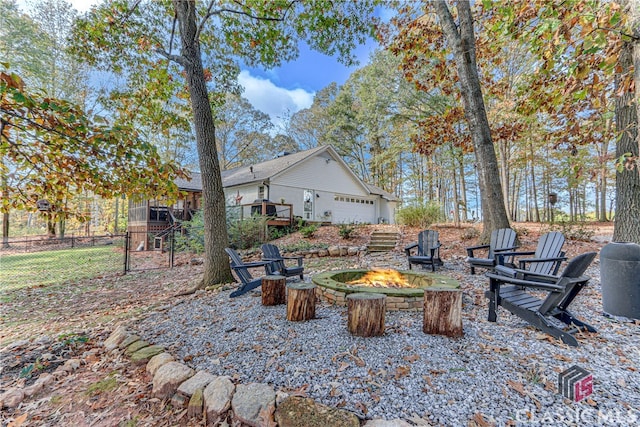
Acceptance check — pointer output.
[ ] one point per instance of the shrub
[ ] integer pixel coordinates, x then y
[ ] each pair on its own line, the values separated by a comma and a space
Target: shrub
573, 230
470, 233
246, 233
308, 230
347, 231
419, 215
192, 240
243, 233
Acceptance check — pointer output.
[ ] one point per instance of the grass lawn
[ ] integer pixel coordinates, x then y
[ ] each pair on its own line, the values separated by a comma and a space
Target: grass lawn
56, 267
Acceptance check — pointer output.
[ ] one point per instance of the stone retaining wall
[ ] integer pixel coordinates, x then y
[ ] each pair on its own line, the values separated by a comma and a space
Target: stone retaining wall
393, 303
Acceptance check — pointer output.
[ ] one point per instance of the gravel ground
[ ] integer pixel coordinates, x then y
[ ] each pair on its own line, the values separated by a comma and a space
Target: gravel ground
503, 373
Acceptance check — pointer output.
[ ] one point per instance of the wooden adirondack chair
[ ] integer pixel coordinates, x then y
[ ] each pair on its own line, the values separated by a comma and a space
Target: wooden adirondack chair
277, 264
241, 269
550, 315
546, 259
502, 240
426, 251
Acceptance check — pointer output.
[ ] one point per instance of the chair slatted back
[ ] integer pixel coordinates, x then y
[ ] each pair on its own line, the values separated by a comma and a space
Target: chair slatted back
501, 238
427, 239
549, 246
236, 262
574, 270
272, 252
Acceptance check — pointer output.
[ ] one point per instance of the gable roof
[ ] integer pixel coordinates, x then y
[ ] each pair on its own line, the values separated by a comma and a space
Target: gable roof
269, 169
266, 170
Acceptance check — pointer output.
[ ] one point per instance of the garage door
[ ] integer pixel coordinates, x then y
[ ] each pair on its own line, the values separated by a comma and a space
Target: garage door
349, 209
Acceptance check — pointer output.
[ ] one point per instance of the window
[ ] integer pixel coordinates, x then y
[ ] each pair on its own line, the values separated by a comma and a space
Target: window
261, 192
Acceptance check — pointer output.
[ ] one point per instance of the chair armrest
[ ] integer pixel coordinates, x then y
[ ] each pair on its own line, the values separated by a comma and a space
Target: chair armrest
250, 264
298, 258
470, 249
524, 261
503, 250
407, 249
515, 253
553, 287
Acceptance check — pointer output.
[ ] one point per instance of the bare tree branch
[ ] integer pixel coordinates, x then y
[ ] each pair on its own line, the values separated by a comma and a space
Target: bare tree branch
211, 13
176, 58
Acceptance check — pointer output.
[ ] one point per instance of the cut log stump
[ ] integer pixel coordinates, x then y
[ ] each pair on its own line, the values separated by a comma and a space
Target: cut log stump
273, 290
443, 312
301, 301
366, 313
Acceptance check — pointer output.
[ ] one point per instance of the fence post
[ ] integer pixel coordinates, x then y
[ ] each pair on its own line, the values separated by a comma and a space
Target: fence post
126, 252
172, 247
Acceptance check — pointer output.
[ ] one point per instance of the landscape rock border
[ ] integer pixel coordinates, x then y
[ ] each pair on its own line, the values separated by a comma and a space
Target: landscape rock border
217, 398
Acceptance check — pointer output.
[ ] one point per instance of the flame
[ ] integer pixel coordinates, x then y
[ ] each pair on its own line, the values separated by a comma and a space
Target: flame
383, 278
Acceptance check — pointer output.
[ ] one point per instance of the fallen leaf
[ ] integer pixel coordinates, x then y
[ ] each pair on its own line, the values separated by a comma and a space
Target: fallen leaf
18, 421
402, 371
266, 415
519, 387
480, 421
343, 366
411, 359
362, 407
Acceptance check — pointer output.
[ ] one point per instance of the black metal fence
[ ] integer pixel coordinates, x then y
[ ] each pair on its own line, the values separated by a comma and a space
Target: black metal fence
148, 251
44, 259
30, 244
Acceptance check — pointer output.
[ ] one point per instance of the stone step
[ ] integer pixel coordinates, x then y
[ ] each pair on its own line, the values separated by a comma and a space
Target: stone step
383, 241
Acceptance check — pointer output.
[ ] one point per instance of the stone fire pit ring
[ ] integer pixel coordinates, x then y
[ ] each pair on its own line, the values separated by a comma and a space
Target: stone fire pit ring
331, 286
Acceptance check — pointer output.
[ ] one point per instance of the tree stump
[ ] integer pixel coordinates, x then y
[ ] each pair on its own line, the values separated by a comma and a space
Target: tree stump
301, 301
273, 290
366, 313
443, 312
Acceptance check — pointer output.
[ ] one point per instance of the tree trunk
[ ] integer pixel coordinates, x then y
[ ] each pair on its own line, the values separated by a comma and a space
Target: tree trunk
5, 229
365, 314
216, 264
462, 41
5, 215
627, 223
442, 312
273, 290
534, 192
301, 302
463, 188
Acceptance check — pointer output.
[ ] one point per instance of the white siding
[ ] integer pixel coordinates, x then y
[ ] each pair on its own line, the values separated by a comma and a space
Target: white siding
318, 174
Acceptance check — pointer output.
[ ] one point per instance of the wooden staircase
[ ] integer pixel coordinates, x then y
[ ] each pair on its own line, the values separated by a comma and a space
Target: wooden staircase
383, 241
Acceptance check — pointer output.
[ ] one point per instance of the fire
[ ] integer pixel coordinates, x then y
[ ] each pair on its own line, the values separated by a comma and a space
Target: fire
383, 278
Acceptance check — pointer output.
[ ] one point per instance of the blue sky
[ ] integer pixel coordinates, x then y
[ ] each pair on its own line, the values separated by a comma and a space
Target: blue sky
292, 86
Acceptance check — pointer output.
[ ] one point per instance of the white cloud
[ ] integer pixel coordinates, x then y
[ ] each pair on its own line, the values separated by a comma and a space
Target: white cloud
271, 99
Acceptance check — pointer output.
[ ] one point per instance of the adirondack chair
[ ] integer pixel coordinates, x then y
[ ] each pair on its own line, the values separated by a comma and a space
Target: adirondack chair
241, 269
550, 315
546, 259
277, 264
426, 251
502, 240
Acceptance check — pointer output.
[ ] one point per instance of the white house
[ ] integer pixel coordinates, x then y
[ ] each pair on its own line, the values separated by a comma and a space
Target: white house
317, 182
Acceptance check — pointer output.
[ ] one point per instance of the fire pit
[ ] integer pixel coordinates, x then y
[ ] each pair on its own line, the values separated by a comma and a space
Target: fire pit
404, 289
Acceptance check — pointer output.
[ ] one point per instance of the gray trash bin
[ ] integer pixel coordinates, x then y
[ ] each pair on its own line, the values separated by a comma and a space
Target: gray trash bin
620, 279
